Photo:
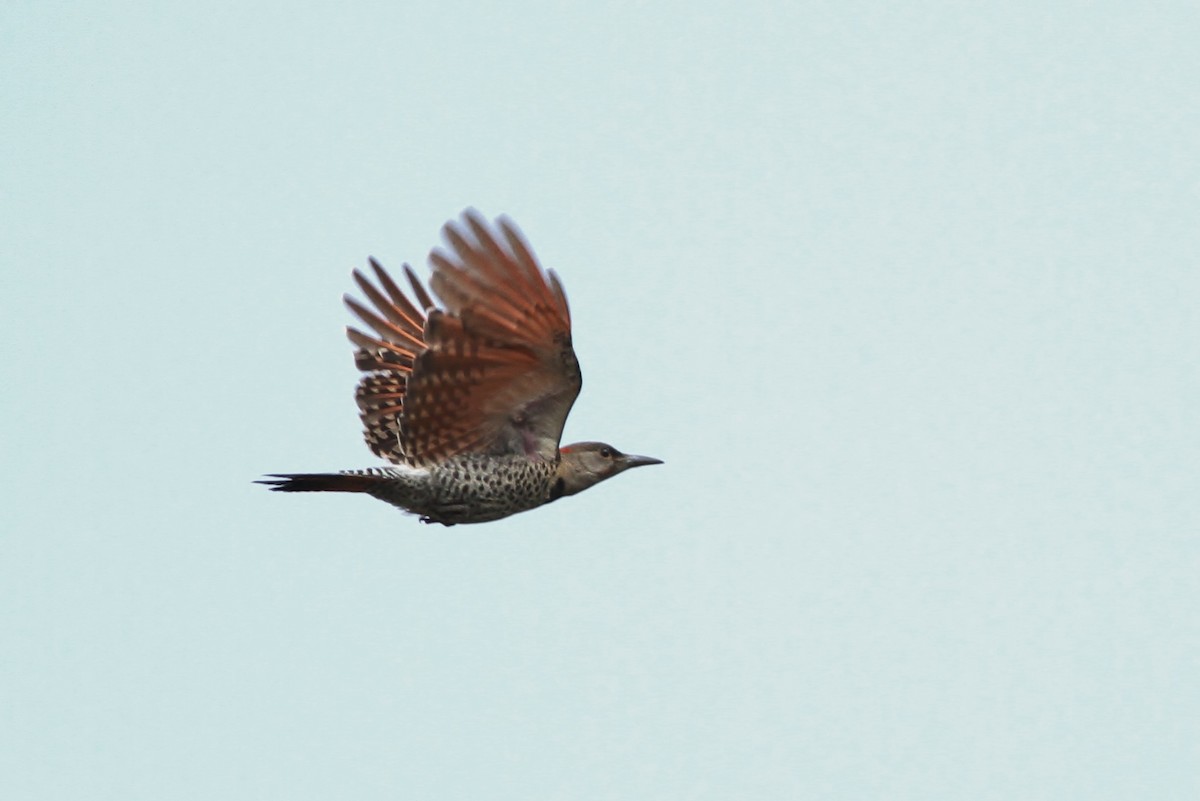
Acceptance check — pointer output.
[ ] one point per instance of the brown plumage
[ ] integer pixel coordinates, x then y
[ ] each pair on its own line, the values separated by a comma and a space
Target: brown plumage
468, 400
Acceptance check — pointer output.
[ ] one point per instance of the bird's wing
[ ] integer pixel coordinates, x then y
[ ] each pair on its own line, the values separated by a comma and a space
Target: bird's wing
387, 358
492, 372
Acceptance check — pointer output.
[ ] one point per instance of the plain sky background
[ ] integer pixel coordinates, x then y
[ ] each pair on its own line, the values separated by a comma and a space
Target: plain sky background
905, 295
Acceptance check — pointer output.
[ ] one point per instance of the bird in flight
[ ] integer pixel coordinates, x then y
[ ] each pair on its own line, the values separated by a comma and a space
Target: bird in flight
468, 399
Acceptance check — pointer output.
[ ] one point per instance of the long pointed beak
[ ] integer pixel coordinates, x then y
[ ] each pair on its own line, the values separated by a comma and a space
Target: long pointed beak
639, 461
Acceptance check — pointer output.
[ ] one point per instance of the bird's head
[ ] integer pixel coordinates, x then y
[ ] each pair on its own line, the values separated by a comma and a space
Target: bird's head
583, 464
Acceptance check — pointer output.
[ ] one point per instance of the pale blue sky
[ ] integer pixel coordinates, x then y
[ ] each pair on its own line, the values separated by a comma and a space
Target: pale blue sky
904, 295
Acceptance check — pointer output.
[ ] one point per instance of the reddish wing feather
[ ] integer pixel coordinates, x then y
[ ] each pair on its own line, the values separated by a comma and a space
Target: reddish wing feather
495, 372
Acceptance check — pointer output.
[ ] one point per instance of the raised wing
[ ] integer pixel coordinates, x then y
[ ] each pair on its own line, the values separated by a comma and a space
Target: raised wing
386, 359
492, 372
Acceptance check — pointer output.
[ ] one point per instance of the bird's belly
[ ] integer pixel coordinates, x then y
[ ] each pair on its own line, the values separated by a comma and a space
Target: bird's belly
476, 489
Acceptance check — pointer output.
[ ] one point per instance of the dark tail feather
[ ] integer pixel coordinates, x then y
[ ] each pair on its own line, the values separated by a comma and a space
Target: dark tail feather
319, 482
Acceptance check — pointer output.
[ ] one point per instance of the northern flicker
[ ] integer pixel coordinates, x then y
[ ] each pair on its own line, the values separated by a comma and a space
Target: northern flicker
468, 400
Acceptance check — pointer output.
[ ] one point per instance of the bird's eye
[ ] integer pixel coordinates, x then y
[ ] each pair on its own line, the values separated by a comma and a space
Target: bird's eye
606, 453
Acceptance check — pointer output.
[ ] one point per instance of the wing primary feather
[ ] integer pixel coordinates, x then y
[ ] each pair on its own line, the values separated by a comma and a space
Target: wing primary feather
521, 252
410, 324
385, 329
484, 238
467, 290
418, 290
492, 261
397, 297
560, 296
471, 258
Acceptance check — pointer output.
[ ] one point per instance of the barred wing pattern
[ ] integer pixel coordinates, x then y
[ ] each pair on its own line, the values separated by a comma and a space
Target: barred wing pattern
493, 371
386, 359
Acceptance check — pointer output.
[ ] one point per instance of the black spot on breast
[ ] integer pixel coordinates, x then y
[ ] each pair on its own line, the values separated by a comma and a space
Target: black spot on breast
557, 490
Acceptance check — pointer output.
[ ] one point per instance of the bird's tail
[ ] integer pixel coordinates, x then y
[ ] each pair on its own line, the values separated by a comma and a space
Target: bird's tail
320, 482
